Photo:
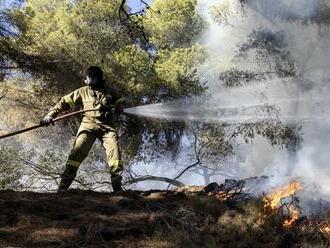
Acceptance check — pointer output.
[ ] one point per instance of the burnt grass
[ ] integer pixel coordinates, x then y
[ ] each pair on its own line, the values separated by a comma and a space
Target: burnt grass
147, 219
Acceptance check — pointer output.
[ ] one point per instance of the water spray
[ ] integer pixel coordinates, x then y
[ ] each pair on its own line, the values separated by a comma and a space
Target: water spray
244, 105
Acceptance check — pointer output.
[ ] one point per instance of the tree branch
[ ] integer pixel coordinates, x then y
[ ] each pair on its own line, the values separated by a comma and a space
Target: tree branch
154, 178
187, 168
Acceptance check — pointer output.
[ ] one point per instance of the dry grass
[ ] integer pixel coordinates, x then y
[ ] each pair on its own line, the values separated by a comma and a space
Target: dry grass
54, 234
148, 219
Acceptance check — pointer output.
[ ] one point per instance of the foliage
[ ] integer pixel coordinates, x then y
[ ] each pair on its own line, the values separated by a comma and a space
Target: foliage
211, 142
322, 14
11, 168
56, 40
276, 133
235, 77
176, 69
90, 32
269, 49
223, 11
173, 23
76, 35
148, 57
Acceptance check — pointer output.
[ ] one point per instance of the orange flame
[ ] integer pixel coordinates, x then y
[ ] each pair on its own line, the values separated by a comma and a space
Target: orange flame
222, 196
294, 216
273, 200
325, 229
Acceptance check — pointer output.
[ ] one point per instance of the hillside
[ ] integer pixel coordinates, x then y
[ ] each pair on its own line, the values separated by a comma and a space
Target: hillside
182, 218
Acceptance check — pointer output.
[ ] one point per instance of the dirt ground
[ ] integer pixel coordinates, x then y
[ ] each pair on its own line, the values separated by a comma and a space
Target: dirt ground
142, 219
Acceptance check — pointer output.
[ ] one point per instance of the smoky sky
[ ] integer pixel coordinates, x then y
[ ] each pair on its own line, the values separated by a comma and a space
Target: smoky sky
300, 95
303, 97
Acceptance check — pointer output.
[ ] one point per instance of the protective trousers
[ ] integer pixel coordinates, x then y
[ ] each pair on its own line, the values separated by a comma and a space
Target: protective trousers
87, 134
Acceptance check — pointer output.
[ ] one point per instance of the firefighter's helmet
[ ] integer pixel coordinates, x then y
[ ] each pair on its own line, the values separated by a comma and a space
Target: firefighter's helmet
93, 75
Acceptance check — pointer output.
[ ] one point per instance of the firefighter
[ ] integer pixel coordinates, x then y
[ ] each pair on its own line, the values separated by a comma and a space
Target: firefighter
95, 124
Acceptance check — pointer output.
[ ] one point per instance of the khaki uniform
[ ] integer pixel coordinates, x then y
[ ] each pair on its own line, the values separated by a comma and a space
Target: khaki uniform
95, 124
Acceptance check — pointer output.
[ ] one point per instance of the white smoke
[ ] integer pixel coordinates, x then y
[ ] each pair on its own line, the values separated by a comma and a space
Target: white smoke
289, 9
306, 95
302, 99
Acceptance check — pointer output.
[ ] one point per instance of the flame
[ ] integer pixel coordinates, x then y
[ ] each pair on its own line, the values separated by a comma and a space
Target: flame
221, 195
273, 200
325, 229
294, 212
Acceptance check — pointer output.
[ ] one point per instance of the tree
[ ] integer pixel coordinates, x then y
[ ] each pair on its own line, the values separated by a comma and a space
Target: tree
173, 24
11, 169
56, 40
274, 60
149, 57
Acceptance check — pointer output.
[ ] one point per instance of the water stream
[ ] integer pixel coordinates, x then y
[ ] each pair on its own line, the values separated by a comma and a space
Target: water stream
243, 105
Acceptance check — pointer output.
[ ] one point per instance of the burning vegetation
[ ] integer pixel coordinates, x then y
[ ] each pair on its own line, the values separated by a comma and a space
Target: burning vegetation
272, 202
212, 216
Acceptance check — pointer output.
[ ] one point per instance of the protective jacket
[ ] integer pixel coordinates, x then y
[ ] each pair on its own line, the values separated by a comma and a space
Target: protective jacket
89, 97
98, 124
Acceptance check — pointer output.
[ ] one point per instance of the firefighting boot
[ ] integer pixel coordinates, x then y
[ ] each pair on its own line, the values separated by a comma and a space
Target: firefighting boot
67, 177
116, 183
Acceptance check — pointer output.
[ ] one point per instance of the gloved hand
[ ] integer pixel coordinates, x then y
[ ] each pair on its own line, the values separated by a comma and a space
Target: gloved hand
105, 109
47, 120
106, 112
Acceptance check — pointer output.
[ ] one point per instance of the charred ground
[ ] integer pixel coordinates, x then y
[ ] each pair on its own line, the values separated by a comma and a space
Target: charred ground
148, 219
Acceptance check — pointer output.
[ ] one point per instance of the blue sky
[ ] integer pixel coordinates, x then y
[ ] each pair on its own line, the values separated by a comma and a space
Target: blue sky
137, 4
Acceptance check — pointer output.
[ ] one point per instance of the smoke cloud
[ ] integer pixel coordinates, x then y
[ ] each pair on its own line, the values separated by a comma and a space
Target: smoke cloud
300, 99
303, 99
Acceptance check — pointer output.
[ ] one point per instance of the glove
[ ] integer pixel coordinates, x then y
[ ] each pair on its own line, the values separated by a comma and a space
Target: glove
105, 109
106, 112
47, 120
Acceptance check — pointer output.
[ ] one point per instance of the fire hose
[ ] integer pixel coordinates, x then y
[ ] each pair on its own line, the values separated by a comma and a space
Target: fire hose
39, 125
119, 101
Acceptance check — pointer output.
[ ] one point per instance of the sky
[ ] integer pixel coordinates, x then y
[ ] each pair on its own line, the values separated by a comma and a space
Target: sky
137, 5
6, 3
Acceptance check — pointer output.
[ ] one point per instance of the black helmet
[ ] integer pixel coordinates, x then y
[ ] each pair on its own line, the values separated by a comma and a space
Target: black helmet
94, 75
